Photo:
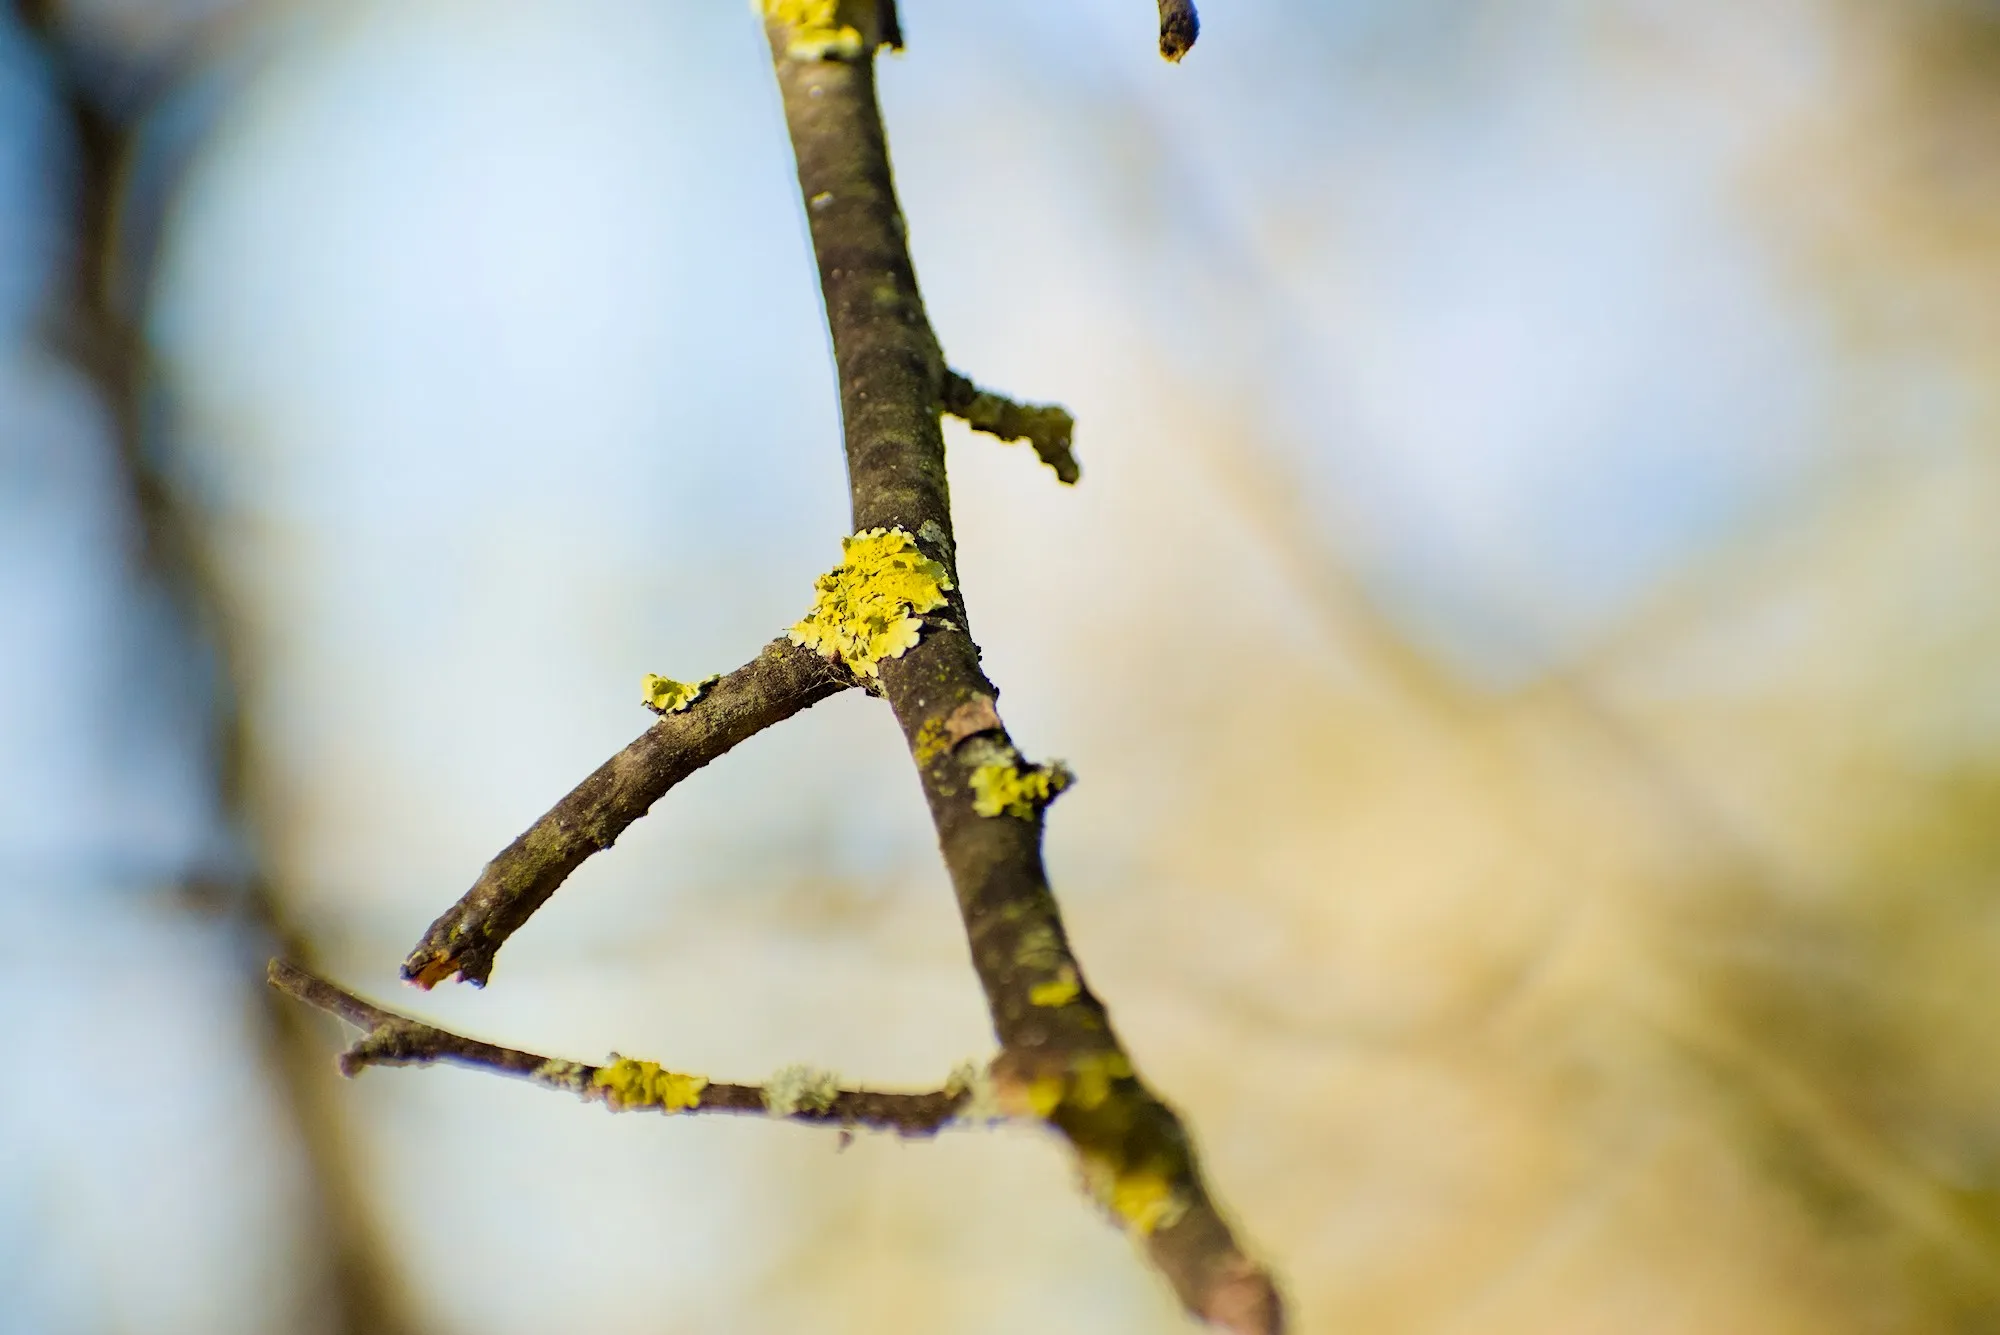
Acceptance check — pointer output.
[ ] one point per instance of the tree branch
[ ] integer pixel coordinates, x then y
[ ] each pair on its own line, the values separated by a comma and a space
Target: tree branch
1060, 1059
1179, 26
622, 1084
1047, 427
770, 688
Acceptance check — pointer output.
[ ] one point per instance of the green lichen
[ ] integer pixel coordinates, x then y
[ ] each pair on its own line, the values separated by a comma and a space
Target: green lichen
629, 1084
664, 695
1004, 790
871, 606
798, 1089
814, 30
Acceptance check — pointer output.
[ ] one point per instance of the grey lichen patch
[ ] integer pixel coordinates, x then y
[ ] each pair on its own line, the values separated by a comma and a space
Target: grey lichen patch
972, 1081
940, 734
559, 1074
800, 1088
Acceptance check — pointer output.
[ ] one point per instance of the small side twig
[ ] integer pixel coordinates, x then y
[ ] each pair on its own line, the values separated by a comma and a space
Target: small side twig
781, 681
1047, 427
390, 1038
1179, 26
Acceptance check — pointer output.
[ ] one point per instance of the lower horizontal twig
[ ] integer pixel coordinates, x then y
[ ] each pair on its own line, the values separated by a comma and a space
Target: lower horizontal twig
796, 1094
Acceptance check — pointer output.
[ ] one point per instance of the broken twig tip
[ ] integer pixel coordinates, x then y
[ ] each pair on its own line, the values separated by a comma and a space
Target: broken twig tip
1179, 26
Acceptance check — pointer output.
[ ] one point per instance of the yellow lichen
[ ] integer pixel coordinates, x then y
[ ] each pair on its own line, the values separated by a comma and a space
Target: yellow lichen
932, 741
871, 606
1091, 1077
1143, 1198
1004, 790
814, 30
634, 1084
1058, 991
1045, 1094
664, 695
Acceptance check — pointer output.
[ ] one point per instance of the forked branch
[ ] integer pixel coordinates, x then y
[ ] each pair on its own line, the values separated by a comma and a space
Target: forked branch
1059, 1054
1060, 1063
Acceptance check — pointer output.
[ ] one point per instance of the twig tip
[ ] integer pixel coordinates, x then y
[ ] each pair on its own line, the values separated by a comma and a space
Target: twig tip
1179, 26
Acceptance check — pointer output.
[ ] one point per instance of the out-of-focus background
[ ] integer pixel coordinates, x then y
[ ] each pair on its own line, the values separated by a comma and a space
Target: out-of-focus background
1528, 631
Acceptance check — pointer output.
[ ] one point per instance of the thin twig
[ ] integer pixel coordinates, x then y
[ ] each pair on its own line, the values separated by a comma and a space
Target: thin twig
1047, 427
770, 688
1179, 26
390, 1038
1059, 1055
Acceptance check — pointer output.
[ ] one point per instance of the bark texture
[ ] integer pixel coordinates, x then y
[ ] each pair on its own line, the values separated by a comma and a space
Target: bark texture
1060, 1056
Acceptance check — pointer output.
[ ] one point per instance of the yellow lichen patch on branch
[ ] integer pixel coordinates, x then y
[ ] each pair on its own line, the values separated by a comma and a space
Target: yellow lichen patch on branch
1142, 1199
814, 29
629, 1084
1084, 1082
1058, 991
1005, 790
932, 741
871, 606
664, 695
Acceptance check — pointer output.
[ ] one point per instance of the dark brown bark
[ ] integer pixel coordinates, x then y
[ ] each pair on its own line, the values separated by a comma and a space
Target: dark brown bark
770, 688
1046, 427
393, 1039
1179, 26
1057, 1043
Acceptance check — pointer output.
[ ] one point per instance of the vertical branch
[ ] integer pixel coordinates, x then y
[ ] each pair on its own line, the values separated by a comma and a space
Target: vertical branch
96, 327
1060, 1059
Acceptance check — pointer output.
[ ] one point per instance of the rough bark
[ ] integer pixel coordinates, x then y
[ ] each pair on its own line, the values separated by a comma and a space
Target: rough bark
892, 378
770, 688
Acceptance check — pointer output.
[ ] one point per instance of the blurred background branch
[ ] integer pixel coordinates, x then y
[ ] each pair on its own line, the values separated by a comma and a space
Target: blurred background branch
95, 318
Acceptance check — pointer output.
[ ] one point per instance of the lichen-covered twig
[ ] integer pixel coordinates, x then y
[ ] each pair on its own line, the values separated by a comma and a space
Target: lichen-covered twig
770, 688
1179, 26
1060, 1060
1047, 427
622, 1084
